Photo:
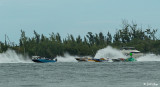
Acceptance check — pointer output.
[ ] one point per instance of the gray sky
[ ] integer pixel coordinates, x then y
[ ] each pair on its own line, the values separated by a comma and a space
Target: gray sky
75, 17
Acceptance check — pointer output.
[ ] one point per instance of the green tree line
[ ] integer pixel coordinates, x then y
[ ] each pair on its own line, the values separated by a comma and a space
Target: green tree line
144, 40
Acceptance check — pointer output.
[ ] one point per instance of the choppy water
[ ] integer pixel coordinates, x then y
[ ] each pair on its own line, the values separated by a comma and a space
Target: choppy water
83, 74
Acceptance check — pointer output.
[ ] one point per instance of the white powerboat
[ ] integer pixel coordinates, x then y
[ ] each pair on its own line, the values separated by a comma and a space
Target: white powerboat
127, 50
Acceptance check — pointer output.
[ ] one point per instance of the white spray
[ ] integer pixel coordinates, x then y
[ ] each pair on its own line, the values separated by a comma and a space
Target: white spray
113, 53
10, 56
109, 52
66, 58
149, 57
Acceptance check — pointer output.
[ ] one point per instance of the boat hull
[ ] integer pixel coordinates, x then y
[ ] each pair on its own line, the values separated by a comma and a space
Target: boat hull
43, 61
124, 60
90, 60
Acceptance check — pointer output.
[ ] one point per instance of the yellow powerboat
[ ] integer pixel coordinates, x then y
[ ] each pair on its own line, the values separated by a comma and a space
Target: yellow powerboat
91, 59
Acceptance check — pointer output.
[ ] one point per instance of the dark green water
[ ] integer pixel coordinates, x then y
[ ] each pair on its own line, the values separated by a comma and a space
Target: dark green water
124, 74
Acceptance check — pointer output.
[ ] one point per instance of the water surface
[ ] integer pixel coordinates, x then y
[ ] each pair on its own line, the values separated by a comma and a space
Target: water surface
82, 74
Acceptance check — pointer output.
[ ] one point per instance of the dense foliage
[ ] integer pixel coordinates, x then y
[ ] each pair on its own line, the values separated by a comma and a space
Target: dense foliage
54, 45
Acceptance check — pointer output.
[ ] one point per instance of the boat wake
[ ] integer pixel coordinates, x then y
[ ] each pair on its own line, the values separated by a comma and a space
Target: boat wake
149, 57
10, 56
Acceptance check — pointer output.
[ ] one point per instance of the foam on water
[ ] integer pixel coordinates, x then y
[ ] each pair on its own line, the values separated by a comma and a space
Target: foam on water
149, 57
109, 52
10, 56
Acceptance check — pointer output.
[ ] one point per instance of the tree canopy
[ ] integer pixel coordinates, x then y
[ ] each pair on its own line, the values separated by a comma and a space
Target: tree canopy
130, 35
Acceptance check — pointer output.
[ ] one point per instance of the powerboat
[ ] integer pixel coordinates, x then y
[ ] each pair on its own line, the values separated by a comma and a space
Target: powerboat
39, 59
124, 60
91, 59
135, 53
131, 53
82, 59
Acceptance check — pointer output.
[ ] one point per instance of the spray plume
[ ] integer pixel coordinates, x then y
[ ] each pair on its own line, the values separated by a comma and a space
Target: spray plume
10, 56
109, 52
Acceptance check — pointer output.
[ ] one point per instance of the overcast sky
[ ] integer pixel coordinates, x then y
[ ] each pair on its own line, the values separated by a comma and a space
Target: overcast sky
75, 17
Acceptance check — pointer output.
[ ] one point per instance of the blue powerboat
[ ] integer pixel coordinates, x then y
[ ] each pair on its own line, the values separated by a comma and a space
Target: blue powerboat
38, 59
